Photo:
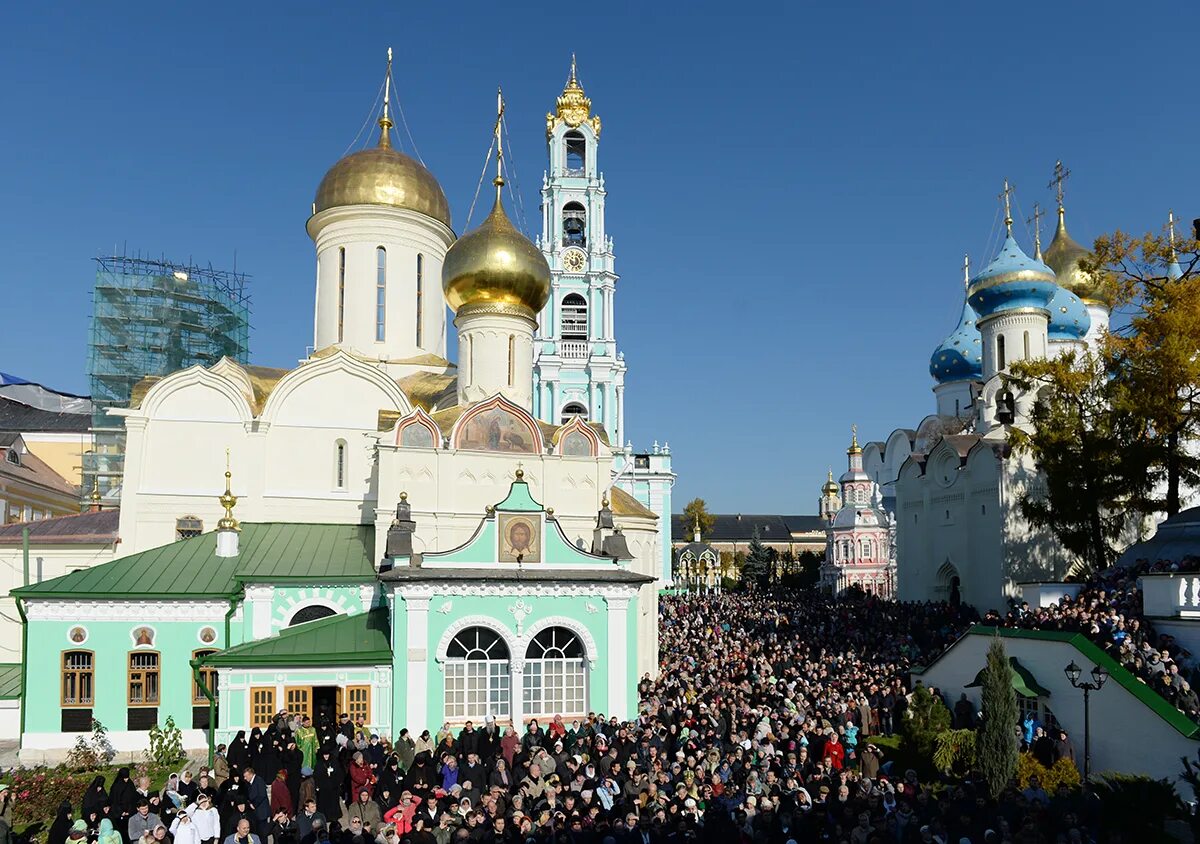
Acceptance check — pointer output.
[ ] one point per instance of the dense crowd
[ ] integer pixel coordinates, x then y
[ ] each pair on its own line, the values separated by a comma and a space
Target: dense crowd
756, 730
1108, 610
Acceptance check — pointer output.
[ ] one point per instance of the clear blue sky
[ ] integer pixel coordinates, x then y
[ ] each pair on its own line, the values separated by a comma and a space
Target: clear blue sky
791, 188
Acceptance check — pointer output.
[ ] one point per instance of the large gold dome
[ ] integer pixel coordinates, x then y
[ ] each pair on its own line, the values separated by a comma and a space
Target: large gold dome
496, 265
1063, 257
383, 176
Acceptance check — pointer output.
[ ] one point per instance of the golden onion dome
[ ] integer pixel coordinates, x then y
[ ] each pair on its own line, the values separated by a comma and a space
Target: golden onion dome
496, 265
383, 175
1064, 256
830, 486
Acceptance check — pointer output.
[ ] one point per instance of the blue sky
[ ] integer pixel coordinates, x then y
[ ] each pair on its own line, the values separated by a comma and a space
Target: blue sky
791, 187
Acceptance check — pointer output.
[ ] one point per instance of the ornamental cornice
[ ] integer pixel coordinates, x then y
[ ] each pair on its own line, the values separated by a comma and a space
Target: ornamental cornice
514, 588
73, 610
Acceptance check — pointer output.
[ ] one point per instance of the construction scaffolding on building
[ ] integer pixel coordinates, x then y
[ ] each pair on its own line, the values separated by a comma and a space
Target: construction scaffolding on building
150, 318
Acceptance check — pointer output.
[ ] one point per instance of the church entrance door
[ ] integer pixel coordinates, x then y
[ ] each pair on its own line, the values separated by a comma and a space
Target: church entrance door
327, 702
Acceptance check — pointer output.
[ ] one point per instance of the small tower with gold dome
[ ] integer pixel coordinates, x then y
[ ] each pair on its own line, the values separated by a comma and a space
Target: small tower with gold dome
381, 225
496, 281
1096, 294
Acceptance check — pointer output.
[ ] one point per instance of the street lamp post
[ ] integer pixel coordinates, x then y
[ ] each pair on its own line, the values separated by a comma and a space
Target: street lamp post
1099, 676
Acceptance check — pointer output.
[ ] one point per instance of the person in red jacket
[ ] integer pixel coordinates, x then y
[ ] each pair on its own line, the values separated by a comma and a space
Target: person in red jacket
361, 776
281, 796
835, 751
401, 815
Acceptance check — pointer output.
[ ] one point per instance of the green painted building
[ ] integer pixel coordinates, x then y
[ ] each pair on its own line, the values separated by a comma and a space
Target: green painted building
222, 630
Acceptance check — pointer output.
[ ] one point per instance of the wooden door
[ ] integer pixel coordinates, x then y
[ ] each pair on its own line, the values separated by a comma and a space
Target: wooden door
298, 700
358, 703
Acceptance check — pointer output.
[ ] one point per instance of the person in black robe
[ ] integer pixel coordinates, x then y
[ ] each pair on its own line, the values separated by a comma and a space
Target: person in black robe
387, 790
292, 760
122, 802
329, 776
95, 799
62, 823
238, 755
254, 746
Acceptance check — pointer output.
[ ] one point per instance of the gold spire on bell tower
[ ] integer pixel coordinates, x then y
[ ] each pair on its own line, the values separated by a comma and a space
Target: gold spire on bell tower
385, 121
854, 449
572, 107
228, 501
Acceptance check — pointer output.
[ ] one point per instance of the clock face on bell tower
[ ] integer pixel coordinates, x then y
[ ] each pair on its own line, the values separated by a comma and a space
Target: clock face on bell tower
573, 261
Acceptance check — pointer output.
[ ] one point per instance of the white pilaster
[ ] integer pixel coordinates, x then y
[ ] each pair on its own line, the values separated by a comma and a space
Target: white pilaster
260, 598
419, 663
618, 656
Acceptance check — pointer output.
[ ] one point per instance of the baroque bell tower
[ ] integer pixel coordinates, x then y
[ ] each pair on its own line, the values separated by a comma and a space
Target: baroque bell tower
577, 369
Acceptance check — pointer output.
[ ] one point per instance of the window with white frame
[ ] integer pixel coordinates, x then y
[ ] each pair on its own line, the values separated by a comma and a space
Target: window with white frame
477, 676
555, 678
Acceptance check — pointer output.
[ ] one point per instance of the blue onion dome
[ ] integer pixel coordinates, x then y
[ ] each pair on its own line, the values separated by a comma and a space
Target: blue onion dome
1011, 281
959, 356
1069, 317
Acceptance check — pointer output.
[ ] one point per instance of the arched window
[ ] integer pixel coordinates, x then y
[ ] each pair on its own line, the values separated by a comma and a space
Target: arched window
208, 674
143, 678
78, 679
573, 409
845, 549
574, 316
339, 465
313, 612
1000, 352
341, 292
380, 293
512, 354
574, 225
477, 681
188, 526
575, 147
420, 293
554, 675
466, 360
1026, 345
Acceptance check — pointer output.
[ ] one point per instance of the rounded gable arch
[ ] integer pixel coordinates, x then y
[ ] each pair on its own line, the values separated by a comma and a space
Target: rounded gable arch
292, 385
420, 419
170, 398
535, 444
590, 650
511, 640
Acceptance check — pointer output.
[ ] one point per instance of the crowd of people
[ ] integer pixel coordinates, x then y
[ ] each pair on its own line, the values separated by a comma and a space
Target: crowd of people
1108, 610
755, 730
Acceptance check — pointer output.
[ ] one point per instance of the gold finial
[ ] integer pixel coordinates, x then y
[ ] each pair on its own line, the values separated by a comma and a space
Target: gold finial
95, 496
572, 82
1005, 195
228, 501
966, 278
830, 478
385, 122
404, 496
573, 107
520, 473
1171, 232
604, 500
1036, 220
854, 449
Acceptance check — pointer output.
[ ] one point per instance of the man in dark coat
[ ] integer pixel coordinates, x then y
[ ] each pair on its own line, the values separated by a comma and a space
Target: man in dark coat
260, 803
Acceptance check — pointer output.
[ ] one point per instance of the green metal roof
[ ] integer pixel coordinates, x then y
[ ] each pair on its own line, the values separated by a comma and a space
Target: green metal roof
10, 680
1116, 672
190, 568
1022, 679
519, 498
360, 639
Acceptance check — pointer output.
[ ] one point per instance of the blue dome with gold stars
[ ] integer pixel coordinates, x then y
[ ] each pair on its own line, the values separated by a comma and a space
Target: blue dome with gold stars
1069, 317
1012, 280
960, 356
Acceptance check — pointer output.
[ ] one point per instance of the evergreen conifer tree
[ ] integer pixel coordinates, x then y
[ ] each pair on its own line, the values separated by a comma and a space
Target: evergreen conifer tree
996, 747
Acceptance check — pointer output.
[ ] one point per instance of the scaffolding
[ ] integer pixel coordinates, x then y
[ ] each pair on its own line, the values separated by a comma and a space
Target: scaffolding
150, 318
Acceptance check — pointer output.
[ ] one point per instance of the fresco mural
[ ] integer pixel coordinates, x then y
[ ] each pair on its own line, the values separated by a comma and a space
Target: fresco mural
520, 536
497, 430
416, 435
575, 444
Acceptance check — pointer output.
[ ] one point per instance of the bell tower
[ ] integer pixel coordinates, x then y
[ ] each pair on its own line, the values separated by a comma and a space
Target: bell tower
577, 369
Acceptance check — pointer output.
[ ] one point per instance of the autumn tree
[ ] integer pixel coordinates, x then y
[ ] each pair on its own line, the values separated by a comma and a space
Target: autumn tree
1156, 358
695, 511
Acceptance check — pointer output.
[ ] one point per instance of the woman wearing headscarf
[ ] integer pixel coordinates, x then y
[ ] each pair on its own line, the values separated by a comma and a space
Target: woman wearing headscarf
328, 776
361, 776
254, 746
238, 755
184, 830
122, 800
95, 799
107, 834
420, 777
281, 796
423, 742
61, 828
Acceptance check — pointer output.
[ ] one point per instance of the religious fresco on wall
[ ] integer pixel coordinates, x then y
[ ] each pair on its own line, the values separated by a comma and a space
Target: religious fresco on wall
497, 430
575, 444
143, 637
416, 435
520, 536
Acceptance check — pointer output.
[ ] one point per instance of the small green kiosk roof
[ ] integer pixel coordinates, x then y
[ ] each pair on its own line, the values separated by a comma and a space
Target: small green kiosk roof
1023, 681
190, 568
360, 639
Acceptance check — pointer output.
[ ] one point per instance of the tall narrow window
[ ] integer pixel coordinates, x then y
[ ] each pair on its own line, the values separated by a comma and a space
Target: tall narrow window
78, 678
575, 148
512, 365
1000, 352
574, 317
208, 674
339, 469
380, 293
420, 293
341, 293
143, 678
1026, 345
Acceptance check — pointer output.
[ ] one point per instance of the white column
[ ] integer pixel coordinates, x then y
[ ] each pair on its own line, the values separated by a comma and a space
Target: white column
621, 417
260, 598
618, 657
591, 399
419, 662
516, 695
608, 313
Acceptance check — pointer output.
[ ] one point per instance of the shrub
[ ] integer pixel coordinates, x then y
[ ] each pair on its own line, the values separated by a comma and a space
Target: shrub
926, 717
1063, 772
93, 753
954, 751
39, 791
166, 744
1137, 807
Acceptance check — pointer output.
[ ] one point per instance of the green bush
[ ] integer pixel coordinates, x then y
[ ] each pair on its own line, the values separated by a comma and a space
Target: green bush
954, 751
926, 717
1138, 807
166, 744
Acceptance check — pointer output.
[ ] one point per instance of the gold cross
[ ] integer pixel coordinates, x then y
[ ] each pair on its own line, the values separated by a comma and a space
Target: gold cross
1005, 195
1036, 220
1061, 174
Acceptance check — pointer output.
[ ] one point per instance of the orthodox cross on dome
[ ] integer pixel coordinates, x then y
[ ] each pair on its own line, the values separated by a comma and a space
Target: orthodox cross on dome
499, 180
966, 270
1036, 222
1006, 196
385, 122
1171, 232
1061, 174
